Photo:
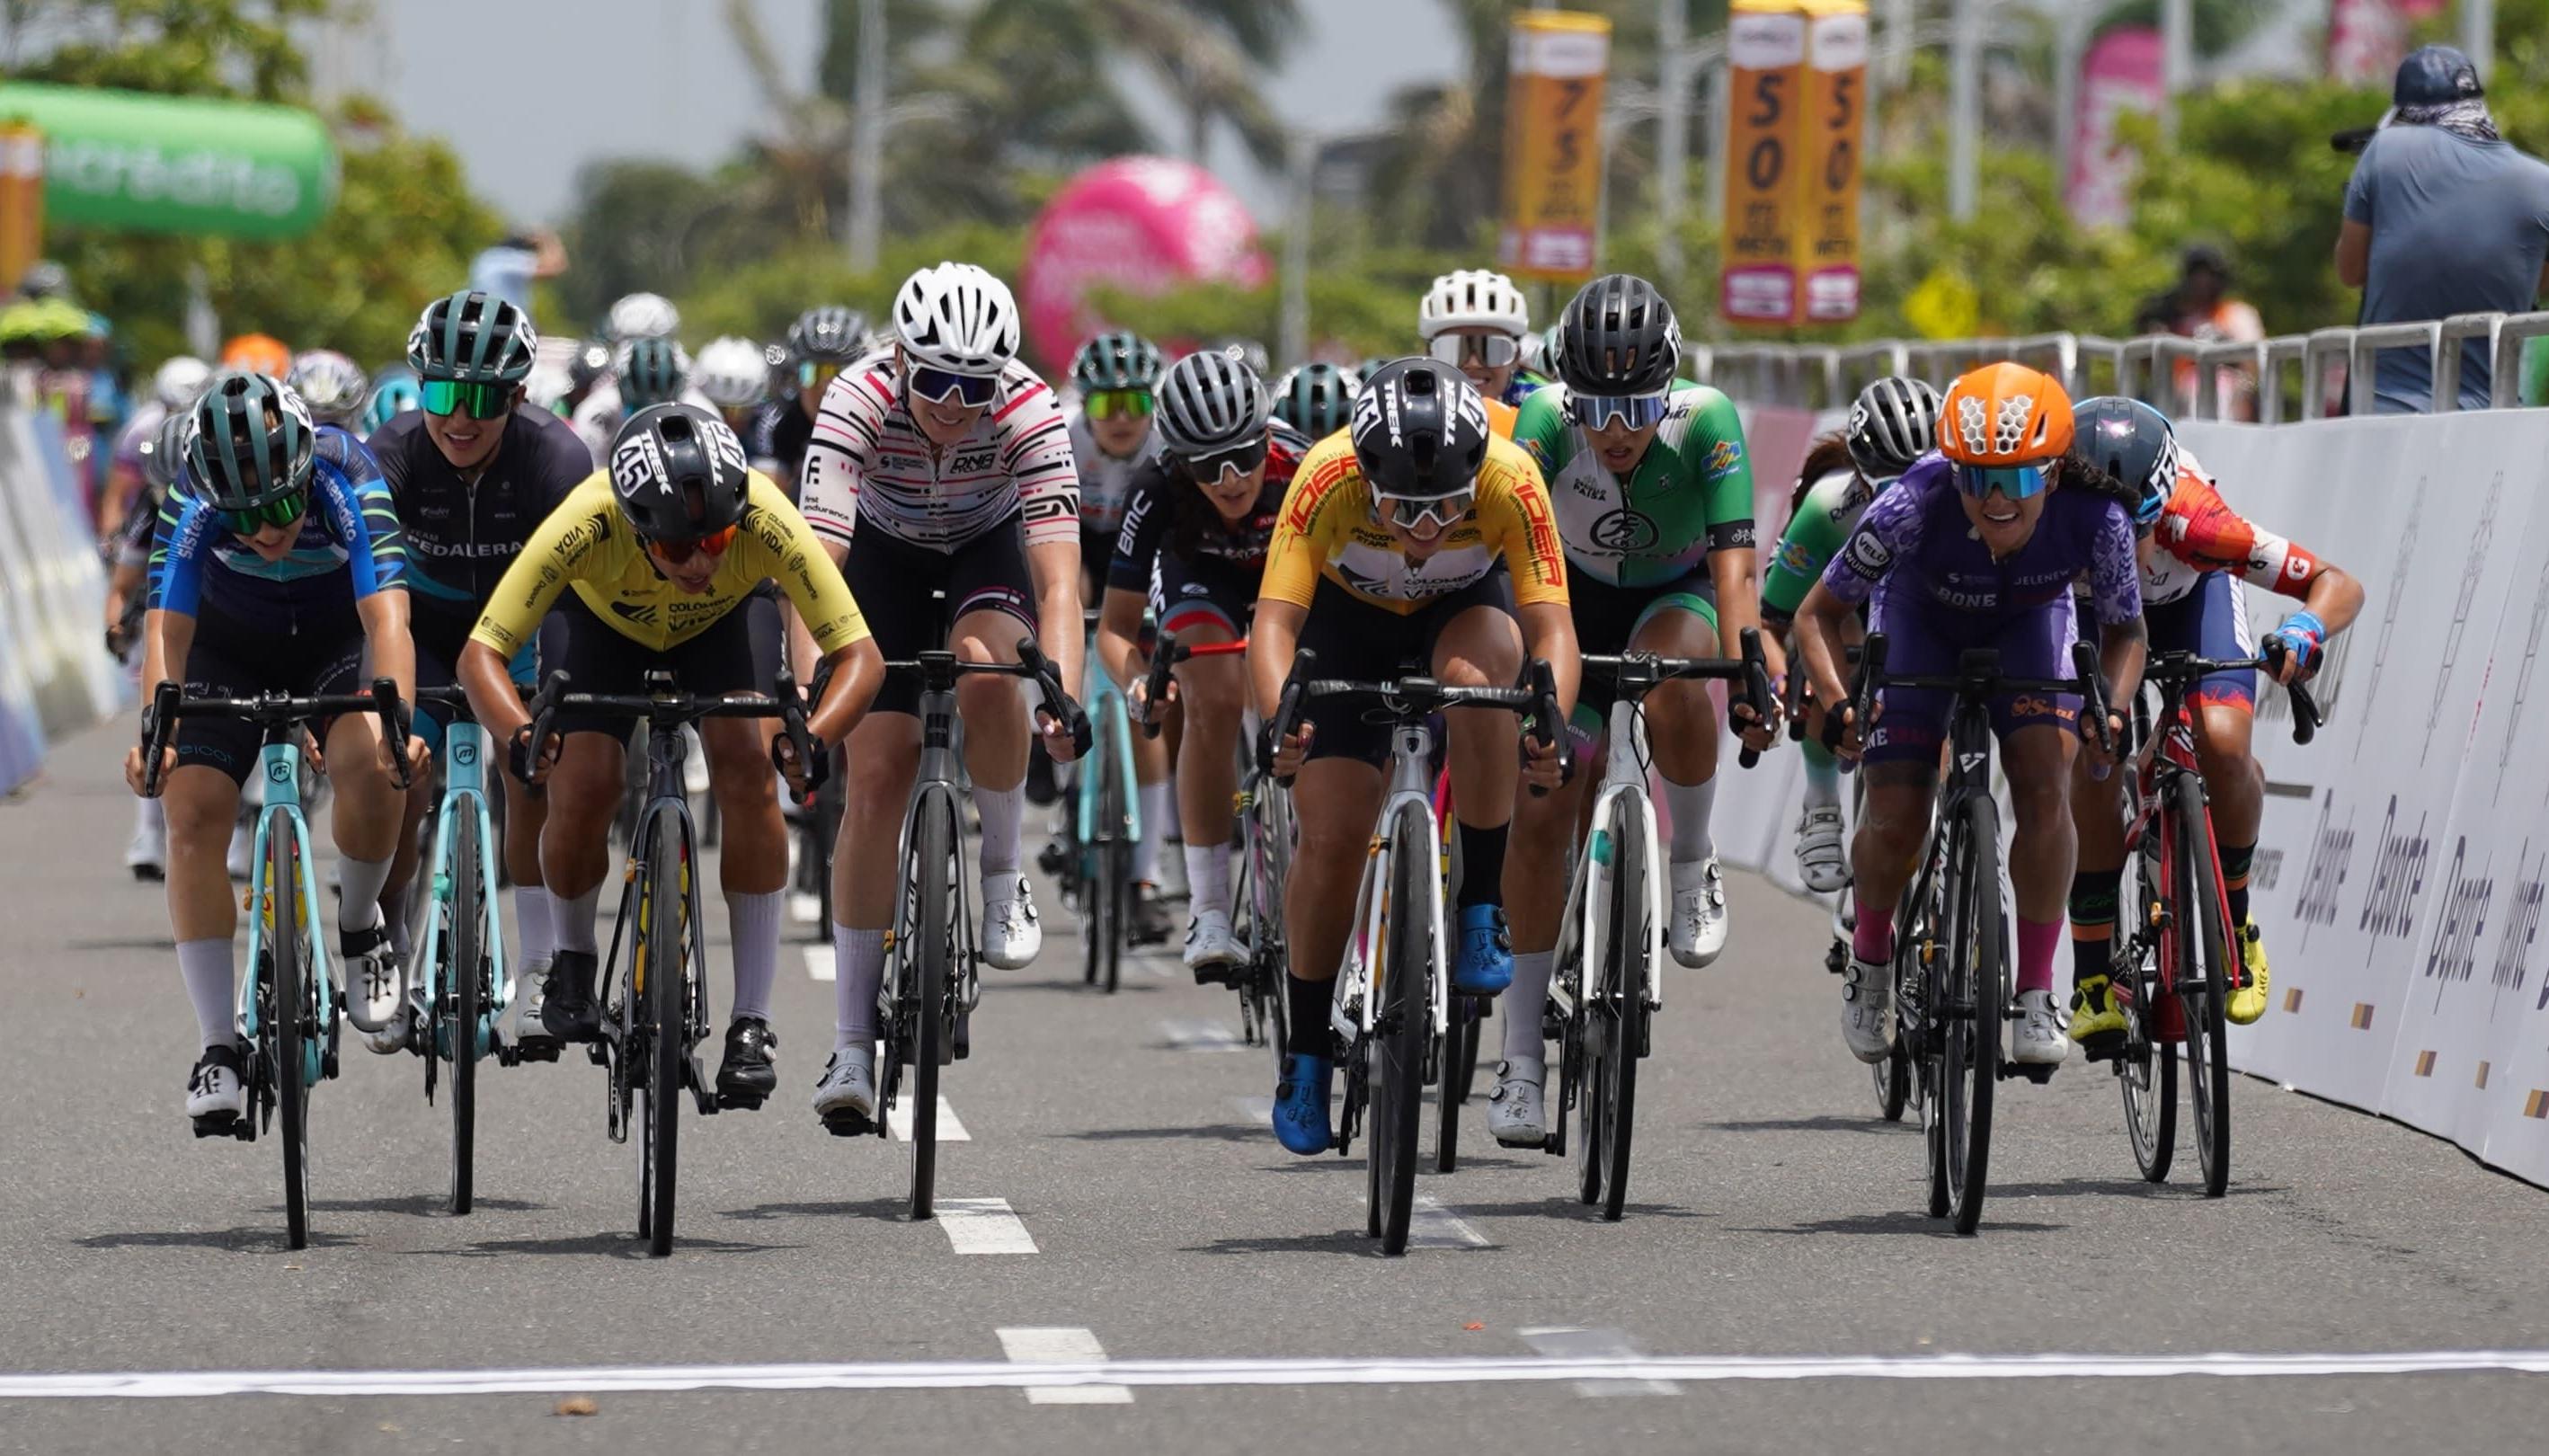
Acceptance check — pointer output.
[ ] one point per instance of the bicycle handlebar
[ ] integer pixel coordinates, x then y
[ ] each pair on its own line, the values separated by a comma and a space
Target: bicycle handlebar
1032, 664
1155, 683
1635, 674
1977, 674
1410, 699
169, 702
2186, 668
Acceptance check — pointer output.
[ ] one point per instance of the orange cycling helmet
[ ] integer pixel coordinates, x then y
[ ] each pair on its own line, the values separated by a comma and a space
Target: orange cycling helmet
257, 353
2005, 415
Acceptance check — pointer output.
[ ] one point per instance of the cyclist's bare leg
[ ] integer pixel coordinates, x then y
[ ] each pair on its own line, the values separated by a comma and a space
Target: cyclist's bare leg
2043, 846
2233, 780
752, 855
1887, 847
1214, 692
203, 805
1335, 802
366, 815
583, 791
1482, 649
883, 758
995, 737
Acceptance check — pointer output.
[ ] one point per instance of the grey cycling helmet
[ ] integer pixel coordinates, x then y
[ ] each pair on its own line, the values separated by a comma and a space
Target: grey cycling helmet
1315, 399
334, 387
1208, 401
653, 371
473, 338
1893, 421
164, 454
252, 443
2132, 443
1620, 339
1121, 359
830, 335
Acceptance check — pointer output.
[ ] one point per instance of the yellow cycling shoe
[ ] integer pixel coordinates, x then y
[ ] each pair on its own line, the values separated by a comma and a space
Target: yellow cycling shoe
2248, 1003
2094, 1015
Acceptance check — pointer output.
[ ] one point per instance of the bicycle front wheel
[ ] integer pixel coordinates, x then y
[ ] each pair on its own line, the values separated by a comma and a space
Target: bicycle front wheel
1971, 998
2147, 1064
1624, 1021
1399, 1042
465, 953
2202, 982
662, 979
932, 966
291, 1020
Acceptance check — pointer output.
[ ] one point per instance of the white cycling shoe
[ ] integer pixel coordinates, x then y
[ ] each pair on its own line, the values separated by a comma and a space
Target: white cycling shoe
147, 855
1011, 935
217, 1087
1516, 1115
372, 978
1820, 860
2041, 1039
847, 1090
1209, 947
1697, 926
1867, 1008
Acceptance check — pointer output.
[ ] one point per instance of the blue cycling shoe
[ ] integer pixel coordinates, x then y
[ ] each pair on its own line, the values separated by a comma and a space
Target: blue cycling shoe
1484, 965
1301, 1104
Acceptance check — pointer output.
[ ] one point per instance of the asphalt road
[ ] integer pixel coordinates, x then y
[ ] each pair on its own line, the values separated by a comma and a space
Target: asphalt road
1229, 1284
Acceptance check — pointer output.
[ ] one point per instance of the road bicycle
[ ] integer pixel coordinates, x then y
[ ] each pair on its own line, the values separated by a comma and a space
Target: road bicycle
1259, 979
932, 970
461, 983
1104, 825
1951, 969
1392, 1004
288, 1003
1606, 983
656, 1008
2175, 971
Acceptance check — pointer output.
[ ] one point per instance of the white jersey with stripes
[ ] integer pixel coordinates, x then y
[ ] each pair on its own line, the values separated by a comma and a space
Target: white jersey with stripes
869, 465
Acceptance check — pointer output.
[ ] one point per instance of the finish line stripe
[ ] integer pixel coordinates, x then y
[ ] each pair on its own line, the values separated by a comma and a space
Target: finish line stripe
1445, 1370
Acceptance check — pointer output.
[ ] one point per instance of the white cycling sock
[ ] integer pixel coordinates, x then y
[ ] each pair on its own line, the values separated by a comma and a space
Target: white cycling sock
1691, 805
574, 919
858, 969
150, 816
533, 913
1208, 878
752, 924
1522, 1003
1156, 801
402, 938
207, 967
1823, 782
360, 882
1000, 809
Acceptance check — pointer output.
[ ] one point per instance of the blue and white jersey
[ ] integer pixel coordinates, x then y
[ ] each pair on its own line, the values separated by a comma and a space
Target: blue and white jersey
349, 547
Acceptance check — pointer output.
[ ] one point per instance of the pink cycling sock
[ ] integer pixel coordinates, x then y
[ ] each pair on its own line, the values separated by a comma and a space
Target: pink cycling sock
2035, 942
1871, 933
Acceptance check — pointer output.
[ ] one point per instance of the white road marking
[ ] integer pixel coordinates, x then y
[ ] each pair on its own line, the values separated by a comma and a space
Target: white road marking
818, 962
1258, 1110
1323, 1371
805, 908
1430, 1226
1062, 1345
984, 1227
1199, 1035
898, 1124
1566, 1340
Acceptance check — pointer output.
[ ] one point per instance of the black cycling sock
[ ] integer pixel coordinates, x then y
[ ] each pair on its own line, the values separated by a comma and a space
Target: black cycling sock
1482, 867
2235, 861
2093, 922
1310, 1001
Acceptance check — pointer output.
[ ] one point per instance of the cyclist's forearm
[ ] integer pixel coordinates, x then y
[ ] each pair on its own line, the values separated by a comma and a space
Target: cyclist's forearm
167, 638
385, 630
1736, 577
1055, 568
1549, 633
1273, 639
1119, 627
2335, 598
858, 670
2120, 650
1817, 620
485, 677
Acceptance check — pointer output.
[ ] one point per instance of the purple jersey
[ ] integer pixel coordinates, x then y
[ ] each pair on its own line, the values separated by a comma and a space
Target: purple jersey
1917, 545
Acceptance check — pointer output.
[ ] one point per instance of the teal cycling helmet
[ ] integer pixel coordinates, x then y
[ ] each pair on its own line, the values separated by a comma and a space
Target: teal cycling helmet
393, 396
1121, 359
2132, 443
653, 371
473, 338
252, 443
1315, 399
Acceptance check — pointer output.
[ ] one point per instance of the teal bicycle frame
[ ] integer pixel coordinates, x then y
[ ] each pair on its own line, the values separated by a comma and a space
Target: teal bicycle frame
279, 762
1111, 717
464, 791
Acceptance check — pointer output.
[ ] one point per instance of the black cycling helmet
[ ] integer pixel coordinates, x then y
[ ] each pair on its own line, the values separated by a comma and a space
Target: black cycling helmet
1619, 338
1208, 401
1121, 359
1315, 399
678, 472
592, 361
1420, 430
252, 443
2132, 443
653, 371
474, 338
1893, 421
830, 335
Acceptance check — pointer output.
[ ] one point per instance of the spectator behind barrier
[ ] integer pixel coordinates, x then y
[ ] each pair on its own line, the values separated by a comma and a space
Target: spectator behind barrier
510, 268
2201, 308
2442, 217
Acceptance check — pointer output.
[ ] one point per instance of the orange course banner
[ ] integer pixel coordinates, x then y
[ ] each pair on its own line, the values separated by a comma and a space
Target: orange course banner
1798, 72
22, 199
1552, 184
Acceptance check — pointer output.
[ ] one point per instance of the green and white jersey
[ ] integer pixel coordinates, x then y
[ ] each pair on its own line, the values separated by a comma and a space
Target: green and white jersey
1824, 520
1689, 495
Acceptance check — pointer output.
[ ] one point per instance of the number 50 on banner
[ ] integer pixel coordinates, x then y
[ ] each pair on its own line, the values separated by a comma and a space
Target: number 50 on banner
1798, 73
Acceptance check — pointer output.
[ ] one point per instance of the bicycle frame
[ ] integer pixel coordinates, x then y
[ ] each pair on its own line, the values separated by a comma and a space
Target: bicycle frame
464, 791
933, 790
1110, 719
279, 764
667, 799
1409, 809
1622, 811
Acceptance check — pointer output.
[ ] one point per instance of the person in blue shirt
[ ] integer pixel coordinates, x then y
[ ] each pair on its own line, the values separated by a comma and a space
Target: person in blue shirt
277, 567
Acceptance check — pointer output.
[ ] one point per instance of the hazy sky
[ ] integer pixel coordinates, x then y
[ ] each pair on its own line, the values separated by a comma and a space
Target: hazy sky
661, 78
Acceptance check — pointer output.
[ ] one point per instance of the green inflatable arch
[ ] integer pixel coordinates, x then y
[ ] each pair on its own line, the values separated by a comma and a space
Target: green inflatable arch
140, 163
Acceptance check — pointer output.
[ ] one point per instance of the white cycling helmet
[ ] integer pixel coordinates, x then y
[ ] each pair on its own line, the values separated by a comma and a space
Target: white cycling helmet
958, 317
732, 372
1472, 298
180, 381
644, 316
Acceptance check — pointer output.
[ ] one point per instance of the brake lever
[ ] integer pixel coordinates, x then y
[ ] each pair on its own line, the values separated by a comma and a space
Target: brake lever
1756, 688
393, 716
158, 725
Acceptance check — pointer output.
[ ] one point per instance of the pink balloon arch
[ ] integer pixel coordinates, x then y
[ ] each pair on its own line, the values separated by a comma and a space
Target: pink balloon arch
1138, 224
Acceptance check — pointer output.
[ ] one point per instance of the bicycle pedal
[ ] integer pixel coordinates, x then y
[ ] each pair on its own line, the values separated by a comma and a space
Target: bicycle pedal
961, 1045
2039, 1073
848, 1125
598, 1052
218, 1124
535, 1049
743, 1101
2106, 1046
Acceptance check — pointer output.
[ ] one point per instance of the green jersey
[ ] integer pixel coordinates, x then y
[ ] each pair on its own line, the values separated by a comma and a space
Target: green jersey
1824, 520
1689, 495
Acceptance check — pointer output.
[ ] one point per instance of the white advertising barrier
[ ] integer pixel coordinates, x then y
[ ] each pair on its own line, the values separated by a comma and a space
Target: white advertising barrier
54, 674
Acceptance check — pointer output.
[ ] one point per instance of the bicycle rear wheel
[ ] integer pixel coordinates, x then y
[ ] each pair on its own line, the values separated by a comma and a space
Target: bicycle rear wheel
1970, 999
291, 1020
463, 964
2145, 1066
1459, 1063
1399, 1040
662, 1021
2202, 982
1893, 1076
934, 846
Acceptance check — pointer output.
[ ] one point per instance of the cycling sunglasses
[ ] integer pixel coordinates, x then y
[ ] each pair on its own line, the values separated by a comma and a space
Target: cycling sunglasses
1491, 349
1208, 469
483, 400
1633, 411
1442, 512
939, 385
2017, 482
1107, 404
283, 512
813, 373
674, 553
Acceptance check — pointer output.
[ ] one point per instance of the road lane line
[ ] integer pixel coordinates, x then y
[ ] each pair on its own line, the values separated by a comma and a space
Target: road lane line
1062, 1345
1260, 1111
1430, 1226
984, 1227
818, 962
1326, 1371
1200, 1035
1575, 1341
898, 1124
